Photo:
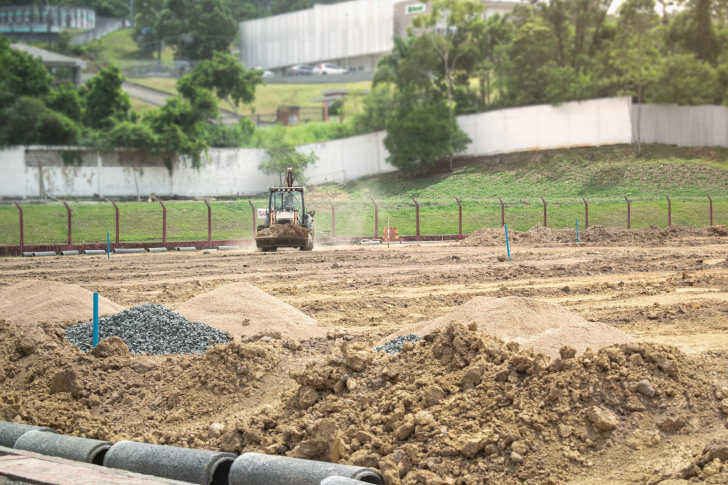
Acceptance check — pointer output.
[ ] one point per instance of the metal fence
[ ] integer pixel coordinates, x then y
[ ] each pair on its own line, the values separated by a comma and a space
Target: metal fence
338, 220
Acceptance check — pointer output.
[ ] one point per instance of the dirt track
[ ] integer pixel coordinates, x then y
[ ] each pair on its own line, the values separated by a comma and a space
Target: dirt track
675, 294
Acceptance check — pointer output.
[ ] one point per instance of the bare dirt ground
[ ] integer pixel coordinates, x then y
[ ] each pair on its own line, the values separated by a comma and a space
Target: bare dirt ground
670, 294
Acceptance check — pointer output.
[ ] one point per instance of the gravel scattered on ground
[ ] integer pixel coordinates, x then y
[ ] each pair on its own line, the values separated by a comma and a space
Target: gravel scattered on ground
394, 346
150, 328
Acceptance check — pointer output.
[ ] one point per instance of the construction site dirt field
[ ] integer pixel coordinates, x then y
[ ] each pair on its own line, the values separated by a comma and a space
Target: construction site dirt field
470, 403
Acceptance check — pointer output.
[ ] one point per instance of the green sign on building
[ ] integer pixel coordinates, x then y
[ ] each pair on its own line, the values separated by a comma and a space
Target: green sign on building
415, 8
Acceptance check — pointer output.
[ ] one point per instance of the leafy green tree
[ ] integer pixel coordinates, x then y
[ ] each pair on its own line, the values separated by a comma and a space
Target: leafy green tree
379, 105
21, 74
692, 29
451, 28
67, 101
139, 136
282, 154
200, 27
686, 80
106, 102
29, 122
492, 39
225, 76
180, 124
420, 136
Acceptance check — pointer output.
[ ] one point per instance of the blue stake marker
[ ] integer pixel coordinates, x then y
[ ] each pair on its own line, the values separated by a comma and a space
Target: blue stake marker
108, 246
96, 319
508, 247
577, 230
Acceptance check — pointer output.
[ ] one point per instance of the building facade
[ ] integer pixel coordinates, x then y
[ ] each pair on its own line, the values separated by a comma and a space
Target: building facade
352, 34
41, 18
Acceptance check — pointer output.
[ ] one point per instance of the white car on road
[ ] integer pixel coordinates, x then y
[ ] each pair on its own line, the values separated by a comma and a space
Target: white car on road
321, 69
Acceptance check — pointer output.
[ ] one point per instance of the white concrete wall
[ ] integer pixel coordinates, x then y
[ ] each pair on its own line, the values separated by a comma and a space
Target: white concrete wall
351, 158
587, 123
12, 172
682, 125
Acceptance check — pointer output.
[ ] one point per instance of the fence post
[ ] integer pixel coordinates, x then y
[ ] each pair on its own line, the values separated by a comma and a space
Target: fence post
503, 212
255, 232
209, 222
116, 210
711, 210
164, 222
20, 210
417, 218
333, 218
68, 210
376, 218
544, 211
629, 215
460, 217
586, 213
669, 211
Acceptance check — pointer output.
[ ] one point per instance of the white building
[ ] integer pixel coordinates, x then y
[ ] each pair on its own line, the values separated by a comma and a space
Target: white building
352, 34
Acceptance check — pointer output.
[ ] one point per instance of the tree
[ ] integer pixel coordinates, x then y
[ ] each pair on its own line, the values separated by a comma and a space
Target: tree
451, 27
106, 103
29, 122
636, 17
200, 27
686, 80
281, 154
180, 124
21, 74
496, 33
67, 101
421, 135
225, 76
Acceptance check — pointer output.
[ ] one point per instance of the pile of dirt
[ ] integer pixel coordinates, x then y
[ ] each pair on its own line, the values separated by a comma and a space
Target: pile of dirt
488, 237
533, 323
461, 407
33, 301
112, 394
245, 310
284, 230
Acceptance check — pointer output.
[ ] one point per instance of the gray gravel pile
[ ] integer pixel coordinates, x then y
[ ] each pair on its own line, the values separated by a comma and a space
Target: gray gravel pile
395, 345
150, 328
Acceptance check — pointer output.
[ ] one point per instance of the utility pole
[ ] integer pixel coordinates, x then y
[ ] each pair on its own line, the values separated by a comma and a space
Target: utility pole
131, 13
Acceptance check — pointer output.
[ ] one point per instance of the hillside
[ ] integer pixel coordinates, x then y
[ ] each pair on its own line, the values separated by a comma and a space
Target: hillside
603, 175
268, 97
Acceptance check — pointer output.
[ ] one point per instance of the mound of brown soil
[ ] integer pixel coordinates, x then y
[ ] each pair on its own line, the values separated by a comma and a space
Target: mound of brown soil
510, 318
244, 310
533, 323
34, 301
461, 407
284, 230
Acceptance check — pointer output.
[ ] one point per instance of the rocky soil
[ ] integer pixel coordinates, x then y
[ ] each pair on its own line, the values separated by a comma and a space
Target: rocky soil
458, 406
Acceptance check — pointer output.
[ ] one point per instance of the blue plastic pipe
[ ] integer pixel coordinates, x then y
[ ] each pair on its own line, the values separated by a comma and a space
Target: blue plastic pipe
96, 319
577, 230
108, 246
508, 246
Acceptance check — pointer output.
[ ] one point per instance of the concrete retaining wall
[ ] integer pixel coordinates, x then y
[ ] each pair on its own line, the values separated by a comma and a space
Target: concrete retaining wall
28, 171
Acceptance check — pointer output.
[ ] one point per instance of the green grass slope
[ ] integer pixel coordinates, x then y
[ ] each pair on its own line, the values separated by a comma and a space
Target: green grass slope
602, 175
